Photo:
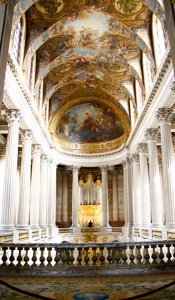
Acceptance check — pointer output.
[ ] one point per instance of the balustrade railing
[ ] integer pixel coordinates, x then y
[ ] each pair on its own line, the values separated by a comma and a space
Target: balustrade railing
87, 254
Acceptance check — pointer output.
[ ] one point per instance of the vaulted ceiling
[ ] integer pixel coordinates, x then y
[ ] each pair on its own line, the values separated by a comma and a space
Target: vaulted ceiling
88, 57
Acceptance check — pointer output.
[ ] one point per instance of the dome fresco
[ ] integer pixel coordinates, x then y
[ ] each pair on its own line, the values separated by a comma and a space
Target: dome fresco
88, 123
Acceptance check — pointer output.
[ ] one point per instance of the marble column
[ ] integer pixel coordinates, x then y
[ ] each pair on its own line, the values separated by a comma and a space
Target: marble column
137, 205
24, 199
65, 196
144, 182
43, 191
155, 195
2, 164
51, 200
128, 203
115, 196
35, 187
75, 197
105, 208
10, 170
163, 116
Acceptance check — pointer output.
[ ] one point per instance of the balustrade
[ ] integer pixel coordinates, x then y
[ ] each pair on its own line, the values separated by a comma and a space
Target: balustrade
87, 255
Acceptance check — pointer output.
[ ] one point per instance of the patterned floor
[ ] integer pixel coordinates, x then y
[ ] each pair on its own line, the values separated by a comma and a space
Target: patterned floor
89, 288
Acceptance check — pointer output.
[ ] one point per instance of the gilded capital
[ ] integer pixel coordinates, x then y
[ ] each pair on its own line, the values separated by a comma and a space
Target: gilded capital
14, 116
151, 134
164, 114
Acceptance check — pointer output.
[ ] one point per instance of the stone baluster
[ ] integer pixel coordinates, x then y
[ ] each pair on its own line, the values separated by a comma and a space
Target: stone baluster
163, 116
14, 118
43, 191
137, 205
24, 199
105, 209
35, 190
144, 183
155, 195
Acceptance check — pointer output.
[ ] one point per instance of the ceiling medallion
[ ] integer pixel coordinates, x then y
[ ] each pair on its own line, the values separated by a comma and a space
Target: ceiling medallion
49, 6
128, 6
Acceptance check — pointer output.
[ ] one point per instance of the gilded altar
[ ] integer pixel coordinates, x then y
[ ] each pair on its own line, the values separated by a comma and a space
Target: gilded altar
90, 212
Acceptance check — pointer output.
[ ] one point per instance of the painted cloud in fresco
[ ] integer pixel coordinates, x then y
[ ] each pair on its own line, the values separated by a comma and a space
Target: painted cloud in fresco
89, 123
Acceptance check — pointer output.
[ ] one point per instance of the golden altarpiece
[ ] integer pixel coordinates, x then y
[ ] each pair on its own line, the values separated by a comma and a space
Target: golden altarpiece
90, 197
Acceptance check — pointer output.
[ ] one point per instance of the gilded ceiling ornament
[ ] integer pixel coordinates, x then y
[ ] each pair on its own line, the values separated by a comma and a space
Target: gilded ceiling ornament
128, 6
4, 1
49, 6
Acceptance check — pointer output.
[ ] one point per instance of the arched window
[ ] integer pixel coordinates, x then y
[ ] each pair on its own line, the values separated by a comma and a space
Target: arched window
147, 72
159, 40
16, 40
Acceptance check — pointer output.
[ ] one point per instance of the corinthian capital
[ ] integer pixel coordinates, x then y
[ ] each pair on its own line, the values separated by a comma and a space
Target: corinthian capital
164, 114
142, 148
135, 158
14, 116
26, 136
104, 169
151, 134
36, 149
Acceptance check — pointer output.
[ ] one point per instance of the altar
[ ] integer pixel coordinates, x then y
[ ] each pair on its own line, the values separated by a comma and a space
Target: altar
90, 212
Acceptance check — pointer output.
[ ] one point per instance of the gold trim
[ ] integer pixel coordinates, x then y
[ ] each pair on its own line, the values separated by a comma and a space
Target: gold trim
157, 234
90, 147
4, 1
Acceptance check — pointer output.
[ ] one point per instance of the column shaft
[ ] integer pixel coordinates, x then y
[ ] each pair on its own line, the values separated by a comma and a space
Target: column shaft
155, 196
43, 191
114, 196
23, 210
65, 197
137, 207
144, 182
105, 208
35, 188
163, 116
75, 197
10, 170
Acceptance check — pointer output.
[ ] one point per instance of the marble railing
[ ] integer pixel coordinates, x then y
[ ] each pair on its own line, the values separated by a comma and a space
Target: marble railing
76, 255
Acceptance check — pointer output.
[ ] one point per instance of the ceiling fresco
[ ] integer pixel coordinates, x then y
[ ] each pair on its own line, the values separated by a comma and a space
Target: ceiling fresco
86, 49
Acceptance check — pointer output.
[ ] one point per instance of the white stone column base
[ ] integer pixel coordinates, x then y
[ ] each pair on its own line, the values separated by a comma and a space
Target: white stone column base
53, 232
4, 228
127, 230
170, 225
105, 230
76, 231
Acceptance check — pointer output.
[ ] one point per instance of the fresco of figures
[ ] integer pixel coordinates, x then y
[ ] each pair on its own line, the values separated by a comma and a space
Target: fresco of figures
89, 123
